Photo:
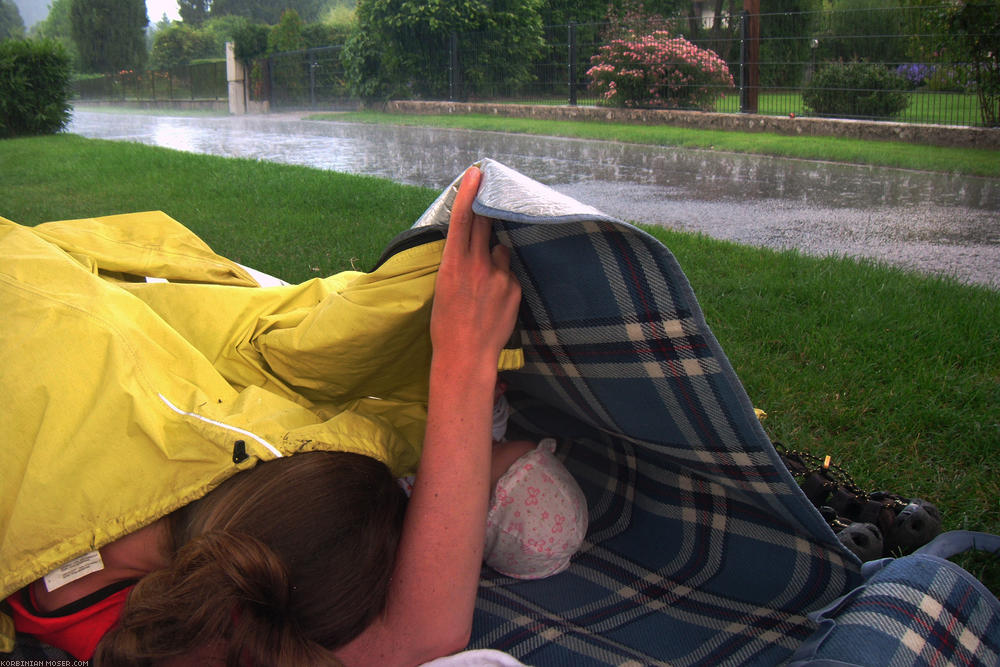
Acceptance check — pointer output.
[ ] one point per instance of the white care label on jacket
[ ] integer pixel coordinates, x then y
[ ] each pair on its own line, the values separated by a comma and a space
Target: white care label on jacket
73, 570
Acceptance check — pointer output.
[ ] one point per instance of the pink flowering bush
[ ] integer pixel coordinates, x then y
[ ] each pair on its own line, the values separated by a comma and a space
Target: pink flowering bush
657, 70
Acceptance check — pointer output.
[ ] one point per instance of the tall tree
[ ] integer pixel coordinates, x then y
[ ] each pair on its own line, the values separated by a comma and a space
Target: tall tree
287, 34
11, 23
266, 11
194, 12
561, 12
862, 30
973, 37
401, 47
57, 26
109, 34
786, 28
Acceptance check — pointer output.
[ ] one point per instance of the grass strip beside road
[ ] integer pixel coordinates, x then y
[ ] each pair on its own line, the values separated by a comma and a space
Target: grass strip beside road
973, 161
289, 221
895, 375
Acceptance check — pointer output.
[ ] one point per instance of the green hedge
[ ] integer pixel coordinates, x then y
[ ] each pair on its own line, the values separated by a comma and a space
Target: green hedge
855, 90
34, 87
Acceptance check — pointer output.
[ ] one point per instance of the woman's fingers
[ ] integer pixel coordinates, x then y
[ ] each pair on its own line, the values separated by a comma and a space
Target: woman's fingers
461, 225
468, 234
479, 237
476, 296
501, 257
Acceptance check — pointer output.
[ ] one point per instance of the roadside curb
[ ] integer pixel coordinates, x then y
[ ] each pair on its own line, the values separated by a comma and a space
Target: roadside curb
933, 135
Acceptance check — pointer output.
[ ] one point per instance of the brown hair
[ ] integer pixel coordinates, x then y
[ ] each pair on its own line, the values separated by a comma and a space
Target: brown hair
277, 566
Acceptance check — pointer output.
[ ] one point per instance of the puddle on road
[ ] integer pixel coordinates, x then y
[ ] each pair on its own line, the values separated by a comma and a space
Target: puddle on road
927, 221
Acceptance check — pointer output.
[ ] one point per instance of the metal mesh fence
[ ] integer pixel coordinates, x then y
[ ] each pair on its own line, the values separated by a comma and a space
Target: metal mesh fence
879, 63
201, 81
310, 78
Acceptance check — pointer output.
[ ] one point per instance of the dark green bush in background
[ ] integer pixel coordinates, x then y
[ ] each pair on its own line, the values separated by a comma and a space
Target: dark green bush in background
855, 90
973, 37
34, 87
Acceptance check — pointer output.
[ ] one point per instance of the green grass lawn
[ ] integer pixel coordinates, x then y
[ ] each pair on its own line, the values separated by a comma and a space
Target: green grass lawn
981, 162
941, 108
922, 107
293, 222
895, 375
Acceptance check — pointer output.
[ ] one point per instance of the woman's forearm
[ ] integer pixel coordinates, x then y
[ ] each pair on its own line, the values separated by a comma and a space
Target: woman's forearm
433, 590
441, 551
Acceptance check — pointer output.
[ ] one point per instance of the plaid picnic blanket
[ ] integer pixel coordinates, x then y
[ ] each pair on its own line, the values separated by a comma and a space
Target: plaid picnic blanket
702, 550
918, 610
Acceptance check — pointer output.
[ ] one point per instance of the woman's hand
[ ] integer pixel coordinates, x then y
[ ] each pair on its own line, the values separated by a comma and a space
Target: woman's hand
476, 296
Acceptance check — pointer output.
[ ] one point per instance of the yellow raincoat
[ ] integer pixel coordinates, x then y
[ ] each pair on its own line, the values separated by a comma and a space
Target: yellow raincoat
125, 399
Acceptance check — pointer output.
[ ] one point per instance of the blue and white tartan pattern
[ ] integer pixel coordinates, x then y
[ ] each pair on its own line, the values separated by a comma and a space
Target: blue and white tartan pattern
920, 610
701, 549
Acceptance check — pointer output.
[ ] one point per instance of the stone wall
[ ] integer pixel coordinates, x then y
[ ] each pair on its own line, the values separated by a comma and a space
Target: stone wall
934, 135
166, 105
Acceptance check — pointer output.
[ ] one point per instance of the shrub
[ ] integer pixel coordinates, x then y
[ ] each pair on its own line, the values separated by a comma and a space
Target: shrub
401, 48
250, 41
180, 44
367, 73
915, 74
855, 90
948, 79
34, 87
322, 34
863, 30
657, 70
973, 37
286, 35
223, 29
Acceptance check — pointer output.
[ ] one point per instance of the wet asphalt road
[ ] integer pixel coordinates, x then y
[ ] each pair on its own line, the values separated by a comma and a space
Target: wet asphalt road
925, 221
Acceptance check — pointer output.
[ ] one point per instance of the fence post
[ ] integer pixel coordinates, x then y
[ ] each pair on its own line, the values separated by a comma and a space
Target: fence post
236, 82
312, 78
749, 49
572, 63
453, 67
269, 63
743, 60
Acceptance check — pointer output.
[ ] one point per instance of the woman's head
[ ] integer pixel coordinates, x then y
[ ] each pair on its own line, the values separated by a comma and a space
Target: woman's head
278, 565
